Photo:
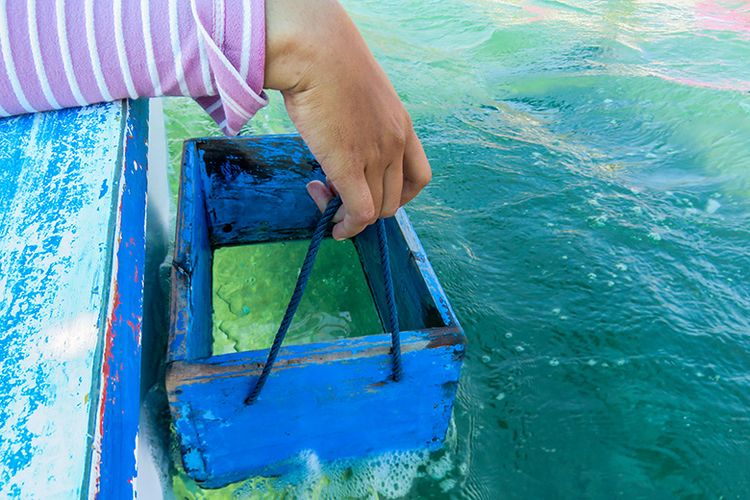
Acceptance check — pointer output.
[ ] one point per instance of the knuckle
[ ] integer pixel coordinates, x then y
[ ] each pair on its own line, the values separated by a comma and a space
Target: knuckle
398, 140
371, 218
423, 177
408, 122
389, 212
393, 137
365, 216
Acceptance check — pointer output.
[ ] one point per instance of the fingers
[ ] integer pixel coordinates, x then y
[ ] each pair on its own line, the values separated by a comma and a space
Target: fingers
393, 181
363, 202
320, 193
375, 181
372, 193
359, 206
339, 215
417, 171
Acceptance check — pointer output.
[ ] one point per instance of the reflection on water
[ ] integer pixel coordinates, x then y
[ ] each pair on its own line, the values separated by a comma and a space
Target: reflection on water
589, 219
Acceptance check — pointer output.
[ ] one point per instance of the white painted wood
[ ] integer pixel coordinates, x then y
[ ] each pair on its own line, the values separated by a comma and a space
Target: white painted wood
57, 192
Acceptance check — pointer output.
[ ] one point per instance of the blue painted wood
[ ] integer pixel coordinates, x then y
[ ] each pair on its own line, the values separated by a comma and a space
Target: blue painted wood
71, 211
191, 277
333, 399
417, 307
255, 188
337, 403
114, 466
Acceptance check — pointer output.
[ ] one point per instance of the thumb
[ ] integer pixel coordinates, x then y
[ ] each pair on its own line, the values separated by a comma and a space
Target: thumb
320, 194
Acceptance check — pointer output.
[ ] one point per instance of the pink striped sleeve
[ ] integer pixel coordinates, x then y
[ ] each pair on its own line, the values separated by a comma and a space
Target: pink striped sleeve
62, 53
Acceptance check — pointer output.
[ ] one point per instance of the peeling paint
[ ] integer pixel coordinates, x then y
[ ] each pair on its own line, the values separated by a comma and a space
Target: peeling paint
58, 178
53, 259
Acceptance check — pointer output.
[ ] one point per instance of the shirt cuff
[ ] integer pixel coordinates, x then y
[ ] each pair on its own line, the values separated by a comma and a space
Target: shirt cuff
234, 35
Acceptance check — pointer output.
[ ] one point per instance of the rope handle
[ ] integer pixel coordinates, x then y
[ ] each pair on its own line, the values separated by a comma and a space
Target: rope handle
299, 289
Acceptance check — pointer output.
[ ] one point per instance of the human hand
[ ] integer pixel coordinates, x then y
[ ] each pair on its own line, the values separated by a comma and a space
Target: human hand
345, 109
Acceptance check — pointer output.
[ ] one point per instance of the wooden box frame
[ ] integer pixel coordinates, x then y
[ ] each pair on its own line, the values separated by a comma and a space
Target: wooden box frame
334, 399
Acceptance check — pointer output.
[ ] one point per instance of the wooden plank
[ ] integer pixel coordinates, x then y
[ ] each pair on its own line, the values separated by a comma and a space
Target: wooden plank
67, 187
255, 188
191, 274
113, 461
418, 257
417, 307
335, 398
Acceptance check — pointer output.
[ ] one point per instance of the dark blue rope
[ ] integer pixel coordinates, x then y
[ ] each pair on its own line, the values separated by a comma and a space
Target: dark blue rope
299, 289
385, 263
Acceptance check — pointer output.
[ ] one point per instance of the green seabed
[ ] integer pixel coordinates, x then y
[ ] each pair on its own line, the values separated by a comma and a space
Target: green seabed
589, 219
252, 285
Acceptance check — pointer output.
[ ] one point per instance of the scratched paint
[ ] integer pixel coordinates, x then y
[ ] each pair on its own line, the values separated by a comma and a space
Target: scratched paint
57, 192
114, 450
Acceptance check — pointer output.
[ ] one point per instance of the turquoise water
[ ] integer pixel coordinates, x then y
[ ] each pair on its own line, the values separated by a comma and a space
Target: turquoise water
589, 220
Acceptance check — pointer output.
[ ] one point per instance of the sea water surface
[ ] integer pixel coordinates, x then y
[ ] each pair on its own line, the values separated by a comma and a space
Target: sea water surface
589, 219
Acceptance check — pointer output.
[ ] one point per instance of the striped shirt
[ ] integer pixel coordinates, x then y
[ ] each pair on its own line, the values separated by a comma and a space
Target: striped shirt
63, 53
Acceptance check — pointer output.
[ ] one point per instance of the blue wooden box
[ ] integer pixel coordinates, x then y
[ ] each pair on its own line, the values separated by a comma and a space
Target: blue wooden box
334, 399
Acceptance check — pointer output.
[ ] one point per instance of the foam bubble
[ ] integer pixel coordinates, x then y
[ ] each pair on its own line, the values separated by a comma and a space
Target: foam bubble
437, 469
654, 236
447, 485
389, 475
712, 206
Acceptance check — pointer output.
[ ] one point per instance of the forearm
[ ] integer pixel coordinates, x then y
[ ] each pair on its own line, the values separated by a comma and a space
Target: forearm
76, 52
73, 52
